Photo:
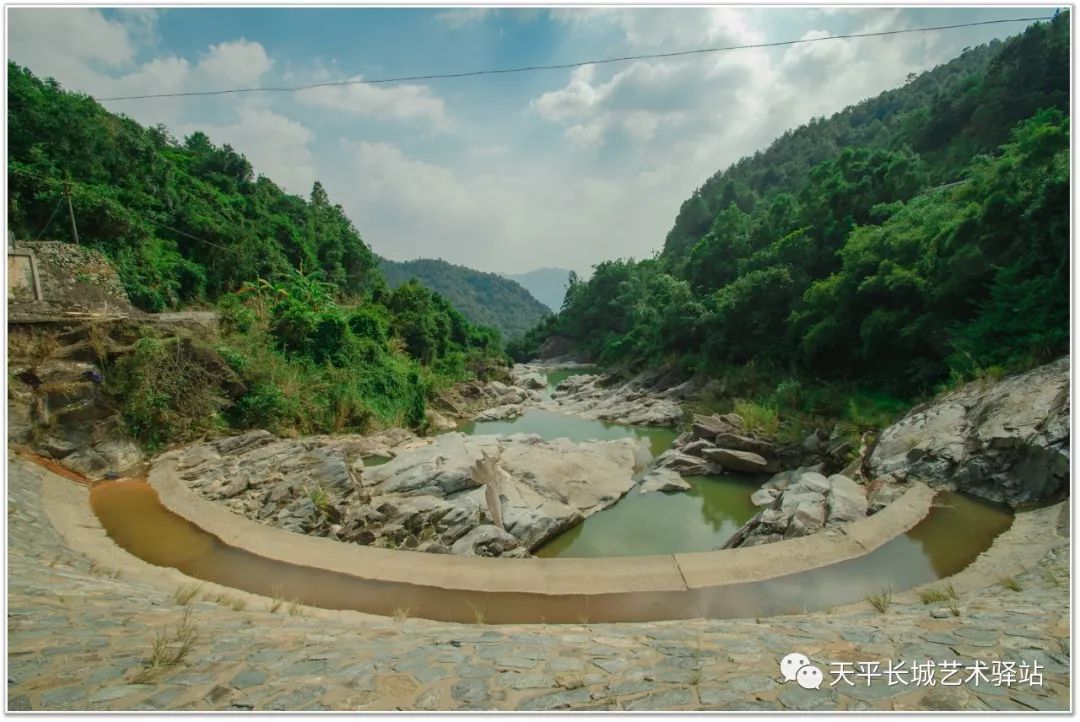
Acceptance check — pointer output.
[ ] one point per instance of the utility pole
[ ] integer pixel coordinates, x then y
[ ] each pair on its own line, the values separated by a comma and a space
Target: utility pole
71, 211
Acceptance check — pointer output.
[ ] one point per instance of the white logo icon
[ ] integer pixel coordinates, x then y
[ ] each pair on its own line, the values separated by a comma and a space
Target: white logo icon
791, 664
796, 667
809, 677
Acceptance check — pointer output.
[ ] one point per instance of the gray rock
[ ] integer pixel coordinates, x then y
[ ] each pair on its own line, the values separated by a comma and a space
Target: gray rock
882, 496
739, 442
1006, 441
809, 517
813, 481
846, 500
764, 496
119, 454
686, 464
734, 460
485, 541
662, 480
709, 427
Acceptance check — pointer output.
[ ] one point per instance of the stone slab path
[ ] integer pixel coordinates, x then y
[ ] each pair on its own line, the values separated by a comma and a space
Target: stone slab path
79, 631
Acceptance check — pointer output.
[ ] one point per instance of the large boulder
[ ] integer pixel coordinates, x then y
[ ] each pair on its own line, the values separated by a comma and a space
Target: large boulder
808, 517
687, 464
734, 460
662, 480
741, 442
709, 427
1004, 441
846, 500
485, 541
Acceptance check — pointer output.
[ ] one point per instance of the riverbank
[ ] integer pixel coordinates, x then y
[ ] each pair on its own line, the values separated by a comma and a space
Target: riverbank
83, 615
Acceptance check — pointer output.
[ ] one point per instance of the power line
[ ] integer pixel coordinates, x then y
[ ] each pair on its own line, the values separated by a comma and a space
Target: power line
578, 64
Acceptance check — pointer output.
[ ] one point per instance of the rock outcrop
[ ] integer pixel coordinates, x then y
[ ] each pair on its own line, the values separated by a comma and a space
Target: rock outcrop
717, 444
801, 502
429, 496
644, 400
1007, 441
662, 480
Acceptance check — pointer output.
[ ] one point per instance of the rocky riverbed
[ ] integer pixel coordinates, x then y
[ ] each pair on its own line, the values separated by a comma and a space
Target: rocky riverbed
469, 495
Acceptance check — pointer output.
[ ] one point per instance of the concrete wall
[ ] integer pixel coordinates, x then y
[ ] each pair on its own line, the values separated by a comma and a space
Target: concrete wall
50, 279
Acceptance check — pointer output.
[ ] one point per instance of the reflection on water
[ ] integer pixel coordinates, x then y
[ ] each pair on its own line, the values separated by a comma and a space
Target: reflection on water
700, 519
553, 425
946, 541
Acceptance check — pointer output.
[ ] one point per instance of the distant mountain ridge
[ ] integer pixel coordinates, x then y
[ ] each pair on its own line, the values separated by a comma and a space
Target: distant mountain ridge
547, 285
484, 298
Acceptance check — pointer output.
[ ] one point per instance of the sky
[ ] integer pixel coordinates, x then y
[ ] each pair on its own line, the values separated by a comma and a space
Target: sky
503, 173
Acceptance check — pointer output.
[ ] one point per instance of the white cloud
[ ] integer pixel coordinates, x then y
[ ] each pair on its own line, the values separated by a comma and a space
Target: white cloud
668, 28
460, 17
70, 44
277, 147
405, 102
232, 64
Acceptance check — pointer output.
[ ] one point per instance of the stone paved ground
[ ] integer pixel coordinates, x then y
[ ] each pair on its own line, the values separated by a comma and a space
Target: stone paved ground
79, 631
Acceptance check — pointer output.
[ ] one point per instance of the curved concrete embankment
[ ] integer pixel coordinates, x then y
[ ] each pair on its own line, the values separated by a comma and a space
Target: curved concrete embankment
617, 575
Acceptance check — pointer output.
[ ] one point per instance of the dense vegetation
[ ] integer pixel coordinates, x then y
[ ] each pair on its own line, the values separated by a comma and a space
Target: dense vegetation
917, 238
313, 337
483, 298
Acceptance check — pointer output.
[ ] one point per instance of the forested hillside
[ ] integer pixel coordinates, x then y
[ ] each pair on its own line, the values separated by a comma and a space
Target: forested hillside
313, 335
917, 237
483, 298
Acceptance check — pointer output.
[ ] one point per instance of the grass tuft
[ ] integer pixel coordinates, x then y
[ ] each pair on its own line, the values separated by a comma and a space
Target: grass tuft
881, 600
169, 649
1011, 584
934, 595
186, 594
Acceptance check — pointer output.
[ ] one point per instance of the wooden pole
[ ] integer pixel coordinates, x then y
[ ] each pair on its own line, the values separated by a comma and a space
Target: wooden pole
71, 211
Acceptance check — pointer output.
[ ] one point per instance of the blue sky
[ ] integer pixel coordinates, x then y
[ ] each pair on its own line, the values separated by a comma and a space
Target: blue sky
502, 173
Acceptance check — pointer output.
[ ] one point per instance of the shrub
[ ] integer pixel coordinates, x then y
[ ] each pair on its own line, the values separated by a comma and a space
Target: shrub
169, 389
759, 418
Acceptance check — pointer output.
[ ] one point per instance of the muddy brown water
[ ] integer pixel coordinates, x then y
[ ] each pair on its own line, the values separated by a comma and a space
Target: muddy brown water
956, 531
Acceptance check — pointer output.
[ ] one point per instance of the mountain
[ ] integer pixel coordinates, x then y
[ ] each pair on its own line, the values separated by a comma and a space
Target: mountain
547, 285
917, 238
484, 298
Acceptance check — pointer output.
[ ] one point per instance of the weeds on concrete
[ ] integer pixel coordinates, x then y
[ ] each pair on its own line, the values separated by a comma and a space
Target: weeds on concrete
226, 600
170, 648
1011, 584
185, 594
402, 613
881, 600
296, 609
953, 605
934, 595
276, 601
